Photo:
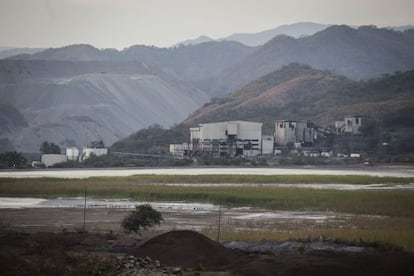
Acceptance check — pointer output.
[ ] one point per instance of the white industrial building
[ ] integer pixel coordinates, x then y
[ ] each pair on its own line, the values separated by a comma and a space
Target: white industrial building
180, 150
293, 132
350, 125
88, 151
227, 138
72, 153
268, 143
52, 159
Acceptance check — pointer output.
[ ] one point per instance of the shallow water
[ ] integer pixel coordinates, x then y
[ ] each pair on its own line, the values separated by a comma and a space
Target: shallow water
16, 202
344, 187
237, 214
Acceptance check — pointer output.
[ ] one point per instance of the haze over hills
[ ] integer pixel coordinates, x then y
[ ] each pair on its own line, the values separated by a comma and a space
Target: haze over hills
257, 39
6, 52
188, 63
195, 41
78, 93
360, 53
293, 30
400, 28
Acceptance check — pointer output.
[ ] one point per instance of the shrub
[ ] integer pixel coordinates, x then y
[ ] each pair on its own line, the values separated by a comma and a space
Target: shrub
142, 218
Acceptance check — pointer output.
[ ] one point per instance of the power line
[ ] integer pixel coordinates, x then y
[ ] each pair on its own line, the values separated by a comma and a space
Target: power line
143, 154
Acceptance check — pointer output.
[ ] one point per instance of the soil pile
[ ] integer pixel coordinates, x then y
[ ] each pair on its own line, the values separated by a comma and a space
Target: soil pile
188, 249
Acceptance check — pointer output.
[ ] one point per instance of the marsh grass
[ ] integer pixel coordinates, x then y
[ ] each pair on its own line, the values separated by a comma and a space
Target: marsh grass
392, 203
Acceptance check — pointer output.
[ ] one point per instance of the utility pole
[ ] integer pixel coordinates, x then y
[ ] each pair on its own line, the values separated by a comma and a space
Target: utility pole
84, 212
219, 224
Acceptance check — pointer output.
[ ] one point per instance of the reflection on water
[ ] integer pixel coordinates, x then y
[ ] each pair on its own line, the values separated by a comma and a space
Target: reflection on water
9, 202
237, 214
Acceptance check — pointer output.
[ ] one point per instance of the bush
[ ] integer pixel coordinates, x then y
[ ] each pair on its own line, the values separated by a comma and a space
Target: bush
142, 218
12, 159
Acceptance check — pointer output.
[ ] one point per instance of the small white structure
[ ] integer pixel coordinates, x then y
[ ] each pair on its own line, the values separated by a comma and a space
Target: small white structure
268, 144
179, 150
87, 152
72, 153
314, 154
355, 155
351, 125
53, 159
277, 152
326, 154
37, 164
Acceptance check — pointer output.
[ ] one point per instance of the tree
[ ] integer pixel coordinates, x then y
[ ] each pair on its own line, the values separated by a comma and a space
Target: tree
51, 148
12, 159
142, 218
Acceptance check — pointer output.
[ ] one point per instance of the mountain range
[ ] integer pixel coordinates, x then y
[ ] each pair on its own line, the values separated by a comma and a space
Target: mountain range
360, 53
6, 52
76, 94
295, 30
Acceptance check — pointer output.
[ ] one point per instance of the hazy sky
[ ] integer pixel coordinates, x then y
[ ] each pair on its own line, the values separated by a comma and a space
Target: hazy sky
122, 23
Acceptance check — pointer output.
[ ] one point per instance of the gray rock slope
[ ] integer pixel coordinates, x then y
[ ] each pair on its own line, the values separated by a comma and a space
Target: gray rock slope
75, 94
77, 109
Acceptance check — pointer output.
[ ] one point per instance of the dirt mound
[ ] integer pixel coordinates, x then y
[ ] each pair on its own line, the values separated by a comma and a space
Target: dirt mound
187, 248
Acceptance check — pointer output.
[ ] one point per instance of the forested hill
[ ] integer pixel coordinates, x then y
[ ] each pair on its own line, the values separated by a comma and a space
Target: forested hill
297, 92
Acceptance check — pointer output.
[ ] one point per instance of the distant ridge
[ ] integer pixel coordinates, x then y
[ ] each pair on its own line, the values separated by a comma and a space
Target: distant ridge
6, 52
359, 53
295, 30
195, 41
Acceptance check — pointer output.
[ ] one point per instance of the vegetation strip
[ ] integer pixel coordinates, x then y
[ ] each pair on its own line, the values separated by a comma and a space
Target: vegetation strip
222, 178
392, 203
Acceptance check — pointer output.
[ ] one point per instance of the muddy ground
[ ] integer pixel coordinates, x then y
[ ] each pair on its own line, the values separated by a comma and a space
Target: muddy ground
49, 241
176, 217
177, 253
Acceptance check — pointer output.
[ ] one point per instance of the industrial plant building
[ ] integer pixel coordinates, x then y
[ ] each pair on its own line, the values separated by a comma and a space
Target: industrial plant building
227, 138
294, 132
350, 125
300, 137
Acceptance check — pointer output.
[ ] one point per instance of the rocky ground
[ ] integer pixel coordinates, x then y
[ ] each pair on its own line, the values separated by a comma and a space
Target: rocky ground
187, 253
